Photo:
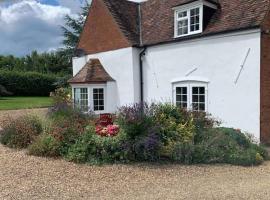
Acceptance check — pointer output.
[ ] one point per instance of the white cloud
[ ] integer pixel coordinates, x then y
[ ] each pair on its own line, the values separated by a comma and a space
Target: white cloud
74, 5
28, 25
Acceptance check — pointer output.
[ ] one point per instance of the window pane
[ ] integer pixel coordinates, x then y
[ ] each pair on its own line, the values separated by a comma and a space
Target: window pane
101, 96
194, 19
182, 14
182, 27
98, 99
202, 107
181, 97
95, 91
184, 98
195, 98
198, 98
195, 90
202, 98
95, 96
202, 90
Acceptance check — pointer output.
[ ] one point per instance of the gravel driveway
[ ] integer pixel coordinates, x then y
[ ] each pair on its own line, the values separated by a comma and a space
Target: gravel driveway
5, 114
27, 177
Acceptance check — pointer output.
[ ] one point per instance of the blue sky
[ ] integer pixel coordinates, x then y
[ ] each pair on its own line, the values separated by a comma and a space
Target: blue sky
50, 2
27, 25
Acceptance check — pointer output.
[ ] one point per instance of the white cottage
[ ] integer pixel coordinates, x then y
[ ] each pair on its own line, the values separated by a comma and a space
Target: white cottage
204, 55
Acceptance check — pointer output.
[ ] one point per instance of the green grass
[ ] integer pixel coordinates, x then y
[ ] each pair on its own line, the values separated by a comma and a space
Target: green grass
15, 103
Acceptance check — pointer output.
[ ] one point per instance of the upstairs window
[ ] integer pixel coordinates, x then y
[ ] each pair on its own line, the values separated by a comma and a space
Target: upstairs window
188, 21
192, 18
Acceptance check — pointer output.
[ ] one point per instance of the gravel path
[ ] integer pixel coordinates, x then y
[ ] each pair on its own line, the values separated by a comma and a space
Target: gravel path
17, 113
27, 177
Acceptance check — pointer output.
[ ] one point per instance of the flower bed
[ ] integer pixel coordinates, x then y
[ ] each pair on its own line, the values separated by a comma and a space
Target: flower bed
139, 133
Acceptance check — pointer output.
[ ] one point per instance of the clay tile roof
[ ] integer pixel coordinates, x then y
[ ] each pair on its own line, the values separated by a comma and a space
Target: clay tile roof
92, 72
158, 18
155, 23
126, 14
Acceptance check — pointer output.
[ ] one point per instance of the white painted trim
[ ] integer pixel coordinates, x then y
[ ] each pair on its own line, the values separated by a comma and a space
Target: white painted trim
205, 38
196, 3
188, 9
189, 85
190, 78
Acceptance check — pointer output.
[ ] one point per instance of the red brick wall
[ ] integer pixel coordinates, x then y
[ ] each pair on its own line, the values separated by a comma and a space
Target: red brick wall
265, 81
101, 32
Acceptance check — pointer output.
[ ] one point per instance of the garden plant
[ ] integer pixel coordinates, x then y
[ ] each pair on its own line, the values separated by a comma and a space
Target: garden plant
138, 133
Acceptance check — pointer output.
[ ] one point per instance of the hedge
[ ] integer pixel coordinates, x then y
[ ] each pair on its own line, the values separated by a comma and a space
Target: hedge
27, 83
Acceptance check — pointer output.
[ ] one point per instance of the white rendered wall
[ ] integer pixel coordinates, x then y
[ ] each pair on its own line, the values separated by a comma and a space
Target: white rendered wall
122, 65
217, 59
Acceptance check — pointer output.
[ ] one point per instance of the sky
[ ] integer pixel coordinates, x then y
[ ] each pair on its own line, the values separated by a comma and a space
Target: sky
27, 25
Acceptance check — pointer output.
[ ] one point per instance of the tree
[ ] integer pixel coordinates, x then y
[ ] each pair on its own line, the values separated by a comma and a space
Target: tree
73, 28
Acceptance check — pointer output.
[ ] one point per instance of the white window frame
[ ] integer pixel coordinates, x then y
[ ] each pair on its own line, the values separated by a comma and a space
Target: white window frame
104, 99
190, 85
188, 7
80, 99
90, 89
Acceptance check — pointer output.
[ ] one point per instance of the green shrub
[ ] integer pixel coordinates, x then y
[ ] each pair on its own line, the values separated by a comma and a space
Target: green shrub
246, 157
93, 148
21, 132
237, 136
27, 83
45, 145
183, 153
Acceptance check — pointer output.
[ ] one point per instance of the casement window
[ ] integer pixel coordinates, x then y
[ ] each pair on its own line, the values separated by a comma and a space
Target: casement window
192, 18
81, 98
98, 99
188, 22
90, 98
192, 96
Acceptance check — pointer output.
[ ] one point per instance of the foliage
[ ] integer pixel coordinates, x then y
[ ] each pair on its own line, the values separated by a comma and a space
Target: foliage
183, 136
62, 96
73, 28
136, 119
45, 145
53, 62
148, 133
62, 81
27, 83
68, 125
21, 132
4, 92
93, 148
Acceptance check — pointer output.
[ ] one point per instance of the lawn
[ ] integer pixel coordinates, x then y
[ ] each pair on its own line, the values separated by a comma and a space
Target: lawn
15, 103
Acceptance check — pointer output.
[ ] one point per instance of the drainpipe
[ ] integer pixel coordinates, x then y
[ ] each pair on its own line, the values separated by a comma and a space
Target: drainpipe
142, 54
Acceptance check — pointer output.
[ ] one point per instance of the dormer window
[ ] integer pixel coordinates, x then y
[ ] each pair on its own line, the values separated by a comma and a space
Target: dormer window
191, 18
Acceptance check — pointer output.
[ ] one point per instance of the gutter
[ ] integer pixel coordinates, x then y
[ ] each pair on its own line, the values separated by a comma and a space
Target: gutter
142, 54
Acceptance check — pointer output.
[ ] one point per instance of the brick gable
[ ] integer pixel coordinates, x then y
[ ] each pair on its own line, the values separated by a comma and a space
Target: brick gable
101, 32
